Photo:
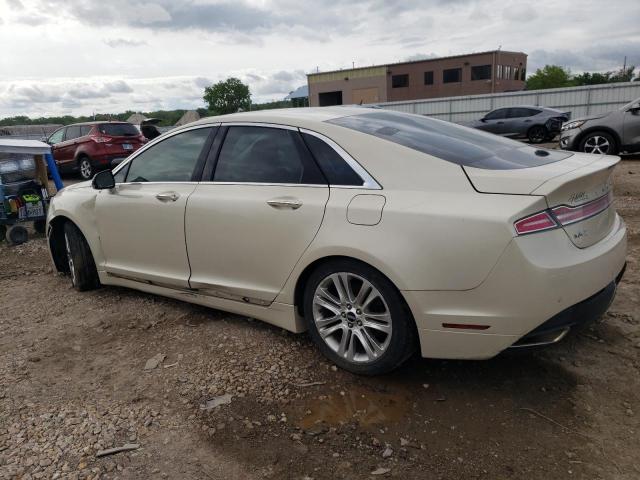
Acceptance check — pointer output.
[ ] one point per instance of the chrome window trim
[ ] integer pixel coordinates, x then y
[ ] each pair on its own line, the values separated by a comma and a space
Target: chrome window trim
155, 141
369, 182
259, 124
268, 184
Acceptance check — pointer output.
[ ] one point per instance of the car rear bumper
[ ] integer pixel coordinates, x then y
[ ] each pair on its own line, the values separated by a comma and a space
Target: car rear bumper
538, 279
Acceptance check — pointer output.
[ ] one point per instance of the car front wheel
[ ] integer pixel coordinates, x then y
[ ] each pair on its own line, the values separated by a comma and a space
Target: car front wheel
82, 267
357, 318
600, 143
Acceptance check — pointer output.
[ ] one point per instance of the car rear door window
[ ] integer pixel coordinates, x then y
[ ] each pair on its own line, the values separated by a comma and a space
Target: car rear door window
450, 142
84, 130
333, 166
172, 160
252, 154
72, 132
496, 114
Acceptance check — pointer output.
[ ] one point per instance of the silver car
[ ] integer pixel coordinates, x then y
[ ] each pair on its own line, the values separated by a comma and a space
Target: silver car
608, 133
535, 123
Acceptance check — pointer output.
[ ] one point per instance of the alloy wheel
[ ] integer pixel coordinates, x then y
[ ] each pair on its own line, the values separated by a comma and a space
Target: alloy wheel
597, 144
85, 169
537, 135
72, 270
352, 317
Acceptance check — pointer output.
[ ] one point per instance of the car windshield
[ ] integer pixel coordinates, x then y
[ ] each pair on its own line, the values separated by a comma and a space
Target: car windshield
448, 141
118, 129
630, 104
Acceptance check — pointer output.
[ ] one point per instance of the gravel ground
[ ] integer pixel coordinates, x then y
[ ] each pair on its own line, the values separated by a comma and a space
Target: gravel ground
199, 393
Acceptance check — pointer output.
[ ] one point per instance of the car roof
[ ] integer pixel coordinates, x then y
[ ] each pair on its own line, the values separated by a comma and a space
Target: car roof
96, 122
287, 116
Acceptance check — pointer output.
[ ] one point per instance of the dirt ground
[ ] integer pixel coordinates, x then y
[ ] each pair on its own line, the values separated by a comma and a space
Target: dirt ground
81, 372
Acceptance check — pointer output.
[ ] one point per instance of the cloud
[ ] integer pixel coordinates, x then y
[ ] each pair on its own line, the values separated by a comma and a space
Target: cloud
275, 85
420, 56
15, 4
606, 56
202, 82
32, 20
123, 42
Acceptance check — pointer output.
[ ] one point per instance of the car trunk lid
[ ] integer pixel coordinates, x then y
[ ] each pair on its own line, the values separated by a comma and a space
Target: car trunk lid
577, 190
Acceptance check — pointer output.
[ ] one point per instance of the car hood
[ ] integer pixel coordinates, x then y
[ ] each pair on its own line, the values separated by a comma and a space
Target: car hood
85, 184
592, 117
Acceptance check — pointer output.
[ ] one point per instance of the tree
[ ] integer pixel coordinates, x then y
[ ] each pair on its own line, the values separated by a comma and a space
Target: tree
551, 76
587, 78
622, 75
227, 96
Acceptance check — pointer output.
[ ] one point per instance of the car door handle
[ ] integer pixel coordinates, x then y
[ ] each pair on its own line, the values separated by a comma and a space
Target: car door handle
527, 121
168, 196
292, 203
500, 123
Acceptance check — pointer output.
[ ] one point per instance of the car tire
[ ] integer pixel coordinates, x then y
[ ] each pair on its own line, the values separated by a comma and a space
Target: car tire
340, 329
85, 168
17, 235
82, 267
600, 143
537, 134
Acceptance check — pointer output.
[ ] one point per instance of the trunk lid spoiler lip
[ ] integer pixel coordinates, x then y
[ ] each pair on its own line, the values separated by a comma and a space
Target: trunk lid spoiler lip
533, 180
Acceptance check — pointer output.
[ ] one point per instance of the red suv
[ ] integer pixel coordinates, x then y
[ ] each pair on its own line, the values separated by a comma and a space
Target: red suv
89, 147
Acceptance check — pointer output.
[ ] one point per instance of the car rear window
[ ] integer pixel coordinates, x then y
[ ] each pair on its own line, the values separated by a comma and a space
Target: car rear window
118, 129
448, 141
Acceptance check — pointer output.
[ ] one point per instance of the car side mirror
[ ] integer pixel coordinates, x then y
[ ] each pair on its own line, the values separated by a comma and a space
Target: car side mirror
103, 180
44, 140
635, 109
483, 119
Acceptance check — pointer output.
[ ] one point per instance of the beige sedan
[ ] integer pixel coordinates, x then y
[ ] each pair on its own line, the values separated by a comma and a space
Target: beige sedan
377, 232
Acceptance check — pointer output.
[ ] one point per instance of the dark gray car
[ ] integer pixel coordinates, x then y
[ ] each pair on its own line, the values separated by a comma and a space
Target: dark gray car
535, 123
608, 133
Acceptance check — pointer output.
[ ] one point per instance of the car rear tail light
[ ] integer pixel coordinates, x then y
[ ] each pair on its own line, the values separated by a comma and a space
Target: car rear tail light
101, 139
537, 222
562, 215
568, 215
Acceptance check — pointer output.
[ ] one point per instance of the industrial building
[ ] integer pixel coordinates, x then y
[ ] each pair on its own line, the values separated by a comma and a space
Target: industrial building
472, 74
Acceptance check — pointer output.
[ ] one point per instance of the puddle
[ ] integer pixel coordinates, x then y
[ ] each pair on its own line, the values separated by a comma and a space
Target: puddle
365, 407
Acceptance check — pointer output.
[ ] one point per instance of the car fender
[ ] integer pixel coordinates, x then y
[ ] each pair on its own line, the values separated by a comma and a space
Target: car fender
77, 204
598, 128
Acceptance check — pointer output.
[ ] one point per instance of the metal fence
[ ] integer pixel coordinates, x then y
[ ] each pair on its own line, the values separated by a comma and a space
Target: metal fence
580, 101
28, 132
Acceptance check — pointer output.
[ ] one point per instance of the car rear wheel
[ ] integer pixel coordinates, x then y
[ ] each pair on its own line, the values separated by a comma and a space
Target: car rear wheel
82, 267
85, 167
357, 318
600, 143
537, 134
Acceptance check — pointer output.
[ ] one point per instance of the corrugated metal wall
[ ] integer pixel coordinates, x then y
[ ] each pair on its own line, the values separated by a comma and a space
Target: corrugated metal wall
580, 101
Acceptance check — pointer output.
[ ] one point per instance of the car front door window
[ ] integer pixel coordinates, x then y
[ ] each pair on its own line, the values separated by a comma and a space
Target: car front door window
56, 137
172, 160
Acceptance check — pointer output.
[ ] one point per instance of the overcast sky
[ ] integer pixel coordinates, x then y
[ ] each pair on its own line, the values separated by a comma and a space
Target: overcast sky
81, 56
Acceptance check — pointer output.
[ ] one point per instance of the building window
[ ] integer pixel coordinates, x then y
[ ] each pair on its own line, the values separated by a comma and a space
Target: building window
400, 81
428, 78
498, 72
507, 72
452, 75
481, 72
523, 74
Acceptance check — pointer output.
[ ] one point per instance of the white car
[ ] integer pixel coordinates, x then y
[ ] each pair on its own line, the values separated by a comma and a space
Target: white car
378, 232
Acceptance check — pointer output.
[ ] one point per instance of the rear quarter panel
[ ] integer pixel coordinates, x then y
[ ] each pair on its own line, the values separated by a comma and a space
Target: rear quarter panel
436, 231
